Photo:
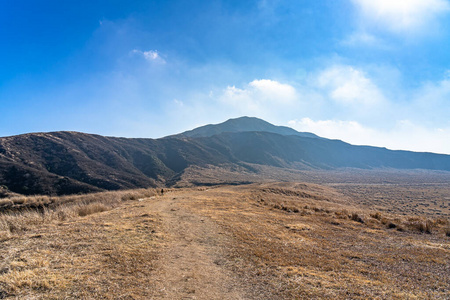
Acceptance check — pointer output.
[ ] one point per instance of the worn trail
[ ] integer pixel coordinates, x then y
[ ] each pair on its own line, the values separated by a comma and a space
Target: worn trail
191, 263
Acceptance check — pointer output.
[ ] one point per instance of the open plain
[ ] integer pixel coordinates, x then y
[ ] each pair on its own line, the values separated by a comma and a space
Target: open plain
272, 240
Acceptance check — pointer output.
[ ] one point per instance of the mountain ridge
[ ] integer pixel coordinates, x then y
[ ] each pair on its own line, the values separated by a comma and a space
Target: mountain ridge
68, 162
242, 124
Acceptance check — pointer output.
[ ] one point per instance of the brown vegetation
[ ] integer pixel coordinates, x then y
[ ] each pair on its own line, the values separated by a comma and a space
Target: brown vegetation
21, 213
325, 250
259, 241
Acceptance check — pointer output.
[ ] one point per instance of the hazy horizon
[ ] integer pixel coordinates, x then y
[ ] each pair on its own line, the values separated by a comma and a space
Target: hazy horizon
365, 72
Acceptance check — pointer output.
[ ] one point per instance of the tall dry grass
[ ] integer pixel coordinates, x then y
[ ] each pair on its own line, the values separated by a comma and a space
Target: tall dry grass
285, 200
19, 214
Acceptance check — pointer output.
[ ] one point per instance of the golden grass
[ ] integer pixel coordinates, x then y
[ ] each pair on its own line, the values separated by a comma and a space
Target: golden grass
328, 249
283, 241
73, 252
19, 214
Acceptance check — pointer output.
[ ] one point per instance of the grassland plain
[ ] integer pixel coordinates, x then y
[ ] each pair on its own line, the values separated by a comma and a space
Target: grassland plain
256, 241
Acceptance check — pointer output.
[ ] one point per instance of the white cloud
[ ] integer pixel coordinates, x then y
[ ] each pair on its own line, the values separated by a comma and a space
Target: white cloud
151, 55
360, 38
401, 16
351, 131
342, 101
259, 95
431, 102
447, 75
347, 85
335, 92
363, 38
178, 102
240, 98
419, 121
273, 90
405, 135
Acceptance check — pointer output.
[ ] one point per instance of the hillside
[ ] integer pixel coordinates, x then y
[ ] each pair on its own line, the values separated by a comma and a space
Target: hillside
243, 124
72, 162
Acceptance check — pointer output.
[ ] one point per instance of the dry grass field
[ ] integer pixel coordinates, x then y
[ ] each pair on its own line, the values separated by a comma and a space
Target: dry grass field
258, 241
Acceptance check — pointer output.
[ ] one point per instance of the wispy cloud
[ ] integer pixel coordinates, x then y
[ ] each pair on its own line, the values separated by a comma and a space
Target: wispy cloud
151, 55
362, 38
425, 139
401, 16
431, 102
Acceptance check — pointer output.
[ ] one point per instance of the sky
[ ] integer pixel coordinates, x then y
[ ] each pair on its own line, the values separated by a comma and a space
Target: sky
364, 71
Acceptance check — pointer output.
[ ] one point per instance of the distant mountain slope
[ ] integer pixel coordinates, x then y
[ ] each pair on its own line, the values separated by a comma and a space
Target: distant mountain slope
68, 162
243, 124
298, 152
72, 162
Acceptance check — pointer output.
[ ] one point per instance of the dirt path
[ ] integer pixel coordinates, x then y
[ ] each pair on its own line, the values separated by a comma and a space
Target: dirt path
191, 265
155, 248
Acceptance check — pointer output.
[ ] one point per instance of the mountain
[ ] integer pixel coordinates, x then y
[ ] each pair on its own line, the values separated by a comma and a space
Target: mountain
73, 162
298, 152
242, 124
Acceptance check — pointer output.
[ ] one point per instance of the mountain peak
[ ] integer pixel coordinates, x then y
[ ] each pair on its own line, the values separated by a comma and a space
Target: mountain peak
243, 124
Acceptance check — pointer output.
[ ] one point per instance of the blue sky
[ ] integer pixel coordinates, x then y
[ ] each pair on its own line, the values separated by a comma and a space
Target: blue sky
367, 72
